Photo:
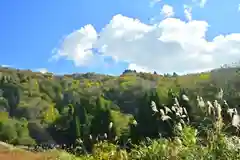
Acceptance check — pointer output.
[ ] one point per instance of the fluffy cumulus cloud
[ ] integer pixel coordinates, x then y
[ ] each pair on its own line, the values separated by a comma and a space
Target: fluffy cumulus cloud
77, 46
167, 11
169, 45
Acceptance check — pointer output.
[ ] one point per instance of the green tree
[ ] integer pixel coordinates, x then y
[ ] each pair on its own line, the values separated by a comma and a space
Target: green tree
147, 124
8, 132
102, 119
11, 92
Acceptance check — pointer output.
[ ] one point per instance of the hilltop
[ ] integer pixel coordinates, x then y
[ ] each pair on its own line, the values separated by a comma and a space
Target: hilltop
35, 107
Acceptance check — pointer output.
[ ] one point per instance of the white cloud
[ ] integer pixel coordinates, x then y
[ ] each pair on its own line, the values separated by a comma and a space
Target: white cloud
42, 70
238, 7
153, 2
132, 66
167, 46
188, 12
167, 11
200, 3
3, 65
77, 46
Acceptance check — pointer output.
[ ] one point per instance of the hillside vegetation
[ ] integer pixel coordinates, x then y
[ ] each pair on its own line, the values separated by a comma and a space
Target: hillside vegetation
131, 116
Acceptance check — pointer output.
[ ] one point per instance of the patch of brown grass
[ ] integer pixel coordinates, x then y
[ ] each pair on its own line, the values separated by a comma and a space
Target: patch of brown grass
24, 155
7, 153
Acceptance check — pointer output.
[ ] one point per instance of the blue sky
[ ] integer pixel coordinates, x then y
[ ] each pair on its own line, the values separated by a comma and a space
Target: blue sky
30, 30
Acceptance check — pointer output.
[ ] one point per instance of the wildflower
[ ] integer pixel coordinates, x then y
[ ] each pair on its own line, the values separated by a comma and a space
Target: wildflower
90, 137
173, 109
225, 103
209, 104
220, 94
210, 108
200, 102
195, 132
185, 98
188, 120
165, 117
154, 107
179, 127
134, 122
110, 125
198, 98
183, 116
180, 110
182, 121
178, 114
178, 141
79, 141
236, 120
78, 148
217, 109
105, 135
167, 110
185, 110
230, 111
215, 103
176, 102
162, 112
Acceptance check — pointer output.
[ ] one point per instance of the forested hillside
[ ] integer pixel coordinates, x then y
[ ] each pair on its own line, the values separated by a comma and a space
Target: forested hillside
86, 109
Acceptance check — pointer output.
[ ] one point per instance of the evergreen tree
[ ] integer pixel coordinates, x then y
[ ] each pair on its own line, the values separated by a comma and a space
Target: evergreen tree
76, 122
146, 118
11, 92
102, 119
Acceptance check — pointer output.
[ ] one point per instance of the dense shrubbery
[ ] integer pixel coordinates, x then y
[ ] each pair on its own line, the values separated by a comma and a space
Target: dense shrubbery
134, 116
210, 139
187, 146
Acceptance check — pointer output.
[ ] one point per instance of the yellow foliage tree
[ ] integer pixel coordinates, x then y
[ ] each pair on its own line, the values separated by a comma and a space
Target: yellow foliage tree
51, 114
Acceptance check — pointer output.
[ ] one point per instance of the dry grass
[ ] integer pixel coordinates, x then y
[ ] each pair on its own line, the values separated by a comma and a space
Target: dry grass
8, 152
16, 155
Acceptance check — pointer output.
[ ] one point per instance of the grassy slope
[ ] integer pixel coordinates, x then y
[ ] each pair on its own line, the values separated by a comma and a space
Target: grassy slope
9, 152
